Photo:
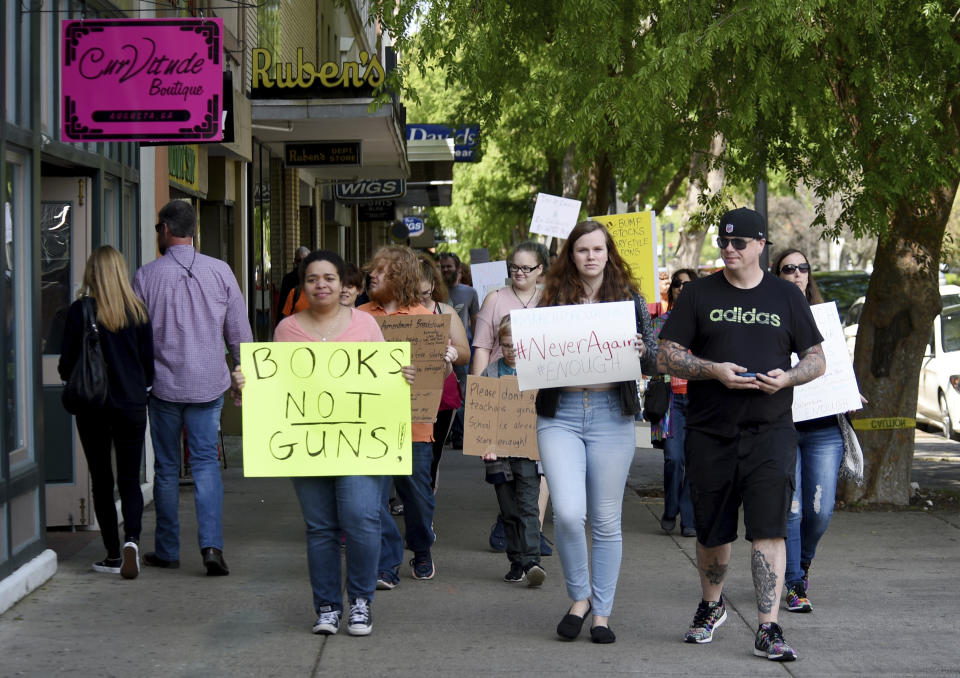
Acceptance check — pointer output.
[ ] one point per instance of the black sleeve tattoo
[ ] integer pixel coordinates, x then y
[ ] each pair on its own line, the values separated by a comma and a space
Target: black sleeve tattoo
673, 359
764, 581
812, 364
715, 572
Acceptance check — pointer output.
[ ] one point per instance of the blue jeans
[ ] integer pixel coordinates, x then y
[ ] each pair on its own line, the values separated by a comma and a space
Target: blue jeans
676, 485
202, 421
329, 504
416, 493
819, 454
586, 451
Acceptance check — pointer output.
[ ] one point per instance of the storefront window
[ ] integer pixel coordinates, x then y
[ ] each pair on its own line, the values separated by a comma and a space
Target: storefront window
55, 242
9, 288
263, 289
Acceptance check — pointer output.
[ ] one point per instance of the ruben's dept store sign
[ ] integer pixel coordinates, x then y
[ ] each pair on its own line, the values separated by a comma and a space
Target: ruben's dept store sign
142, 80
305, 80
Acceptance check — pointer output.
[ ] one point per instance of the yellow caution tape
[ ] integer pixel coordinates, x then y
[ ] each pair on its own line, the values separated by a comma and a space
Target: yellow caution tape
884, 423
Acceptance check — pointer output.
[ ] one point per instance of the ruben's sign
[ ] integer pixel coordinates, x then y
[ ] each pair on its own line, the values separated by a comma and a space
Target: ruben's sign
142, 80
305, 80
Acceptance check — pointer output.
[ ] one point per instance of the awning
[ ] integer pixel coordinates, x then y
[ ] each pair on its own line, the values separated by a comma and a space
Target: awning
381, 132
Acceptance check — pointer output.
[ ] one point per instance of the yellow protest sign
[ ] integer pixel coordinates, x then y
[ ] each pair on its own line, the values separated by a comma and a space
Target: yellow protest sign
636, 242
326, 409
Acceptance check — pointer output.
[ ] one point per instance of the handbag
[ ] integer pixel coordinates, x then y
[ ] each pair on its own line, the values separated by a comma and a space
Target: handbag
86, 389
851, 467
450, 400
656, 399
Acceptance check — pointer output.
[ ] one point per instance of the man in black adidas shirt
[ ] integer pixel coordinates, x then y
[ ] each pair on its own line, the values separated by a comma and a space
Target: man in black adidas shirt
731, 334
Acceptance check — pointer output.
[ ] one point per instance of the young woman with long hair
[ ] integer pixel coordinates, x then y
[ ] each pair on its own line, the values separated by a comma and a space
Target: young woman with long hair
126, 338
586, 435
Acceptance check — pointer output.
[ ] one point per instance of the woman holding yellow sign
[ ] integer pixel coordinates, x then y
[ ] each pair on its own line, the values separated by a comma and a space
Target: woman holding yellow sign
586, 435
332, 504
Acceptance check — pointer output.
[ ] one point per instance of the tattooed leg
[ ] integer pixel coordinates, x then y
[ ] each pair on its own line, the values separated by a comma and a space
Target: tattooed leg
712, 566
767, 564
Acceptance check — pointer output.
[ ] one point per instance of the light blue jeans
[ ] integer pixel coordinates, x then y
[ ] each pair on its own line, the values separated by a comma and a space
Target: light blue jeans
586, 451
332, 504
202, 421
819, 454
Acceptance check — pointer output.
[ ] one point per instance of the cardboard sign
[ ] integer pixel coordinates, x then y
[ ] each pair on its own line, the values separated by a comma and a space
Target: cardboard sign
428, 335
325, 409
635, 235
836, 390
554, 216
142, 80
575, 345
499, 418
487, 277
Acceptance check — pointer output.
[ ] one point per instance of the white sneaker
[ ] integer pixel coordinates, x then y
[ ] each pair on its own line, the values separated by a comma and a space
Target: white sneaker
361, 619
328, 623
108, 566
131, 560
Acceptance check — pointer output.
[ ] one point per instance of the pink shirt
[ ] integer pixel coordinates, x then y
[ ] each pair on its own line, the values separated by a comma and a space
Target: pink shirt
498, 304
362, 327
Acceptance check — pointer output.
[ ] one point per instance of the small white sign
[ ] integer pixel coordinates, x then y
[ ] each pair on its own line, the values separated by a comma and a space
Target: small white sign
554, 215
836, 390
575, 345
487, 277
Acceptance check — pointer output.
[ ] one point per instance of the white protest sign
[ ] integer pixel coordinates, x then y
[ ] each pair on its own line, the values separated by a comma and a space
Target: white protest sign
575, 345
487, 277
554, 215
836, 391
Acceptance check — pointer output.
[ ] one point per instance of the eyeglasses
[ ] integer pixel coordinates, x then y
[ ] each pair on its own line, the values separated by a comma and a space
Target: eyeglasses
513, 268
793, 268
738, 243
677, 284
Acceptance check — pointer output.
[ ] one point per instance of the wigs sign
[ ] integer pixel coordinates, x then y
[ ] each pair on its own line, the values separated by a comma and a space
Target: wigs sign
142, 80
325, 409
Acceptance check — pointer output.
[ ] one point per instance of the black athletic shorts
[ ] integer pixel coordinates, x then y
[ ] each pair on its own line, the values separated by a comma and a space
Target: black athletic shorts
757, 469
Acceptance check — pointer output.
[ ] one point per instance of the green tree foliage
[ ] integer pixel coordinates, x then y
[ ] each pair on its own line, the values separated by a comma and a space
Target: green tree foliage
857, 100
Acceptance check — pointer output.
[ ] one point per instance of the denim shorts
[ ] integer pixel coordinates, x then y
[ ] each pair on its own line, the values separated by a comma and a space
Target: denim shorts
757, 469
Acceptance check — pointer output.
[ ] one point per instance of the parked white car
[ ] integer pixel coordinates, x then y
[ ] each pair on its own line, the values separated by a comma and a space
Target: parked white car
938, 393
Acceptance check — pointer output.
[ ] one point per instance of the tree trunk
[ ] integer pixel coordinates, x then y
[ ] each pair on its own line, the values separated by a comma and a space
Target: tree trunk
598, 186
902, 301
704, 178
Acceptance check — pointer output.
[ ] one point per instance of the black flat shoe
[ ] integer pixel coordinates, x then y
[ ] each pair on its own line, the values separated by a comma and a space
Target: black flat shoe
569, 627
602, 635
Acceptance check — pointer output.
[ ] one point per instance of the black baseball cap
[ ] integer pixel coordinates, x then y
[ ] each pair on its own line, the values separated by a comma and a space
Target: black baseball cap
743, 222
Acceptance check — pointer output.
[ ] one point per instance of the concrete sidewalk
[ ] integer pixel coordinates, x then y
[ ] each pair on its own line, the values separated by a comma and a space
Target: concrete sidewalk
883, 585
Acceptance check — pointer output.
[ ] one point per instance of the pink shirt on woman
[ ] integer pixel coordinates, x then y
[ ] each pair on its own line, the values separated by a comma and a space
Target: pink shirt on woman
362, 327
488, 320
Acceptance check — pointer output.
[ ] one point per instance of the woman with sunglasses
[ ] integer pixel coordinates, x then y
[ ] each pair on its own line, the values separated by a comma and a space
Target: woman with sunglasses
670, 432
819, 453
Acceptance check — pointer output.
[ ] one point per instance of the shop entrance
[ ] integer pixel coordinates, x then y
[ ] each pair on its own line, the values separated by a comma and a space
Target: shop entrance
64, 249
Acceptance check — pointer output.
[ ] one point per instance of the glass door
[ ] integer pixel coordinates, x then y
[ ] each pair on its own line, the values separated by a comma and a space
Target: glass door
64, 248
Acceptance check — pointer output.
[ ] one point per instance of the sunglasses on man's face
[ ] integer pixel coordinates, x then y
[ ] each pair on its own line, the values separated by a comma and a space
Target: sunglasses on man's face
677, 284
159, 226
793, 268
738, 243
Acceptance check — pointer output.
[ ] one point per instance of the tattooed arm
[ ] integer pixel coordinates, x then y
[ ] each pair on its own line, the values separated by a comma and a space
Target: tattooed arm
675, 360
812, 364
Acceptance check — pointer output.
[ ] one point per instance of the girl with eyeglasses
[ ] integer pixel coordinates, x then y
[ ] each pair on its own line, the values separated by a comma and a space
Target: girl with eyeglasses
670, 432
819, 453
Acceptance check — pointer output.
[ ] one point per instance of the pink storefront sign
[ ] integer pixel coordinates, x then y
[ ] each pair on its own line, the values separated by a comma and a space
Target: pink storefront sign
142, 80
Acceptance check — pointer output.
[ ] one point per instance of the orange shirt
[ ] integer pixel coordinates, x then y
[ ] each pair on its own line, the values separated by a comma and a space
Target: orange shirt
302, 303
420, 432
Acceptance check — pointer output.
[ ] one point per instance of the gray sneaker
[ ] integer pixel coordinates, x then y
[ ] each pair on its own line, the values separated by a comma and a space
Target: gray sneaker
328, 623
535, 575
361, 618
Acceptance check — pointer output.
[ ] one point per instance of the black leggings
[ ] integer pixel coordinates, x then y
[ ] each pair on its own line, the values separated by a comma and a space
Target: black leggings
441, 429
122, 429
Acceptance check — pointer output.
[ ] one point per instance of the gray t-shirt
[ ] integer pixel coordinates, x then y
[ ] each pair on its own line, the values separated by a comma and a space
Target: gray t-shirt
463, 298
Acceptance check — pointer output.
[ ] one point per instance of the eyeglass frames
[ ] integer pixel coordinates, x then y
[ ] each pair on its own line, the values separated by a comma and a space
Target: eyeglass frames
792, 268
738, 243
513, 268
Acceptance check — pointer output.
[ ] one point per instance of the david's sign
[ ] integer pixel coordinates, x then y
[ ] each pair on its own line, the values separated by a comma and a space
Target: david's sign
466, 138
305, 80
142, 80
